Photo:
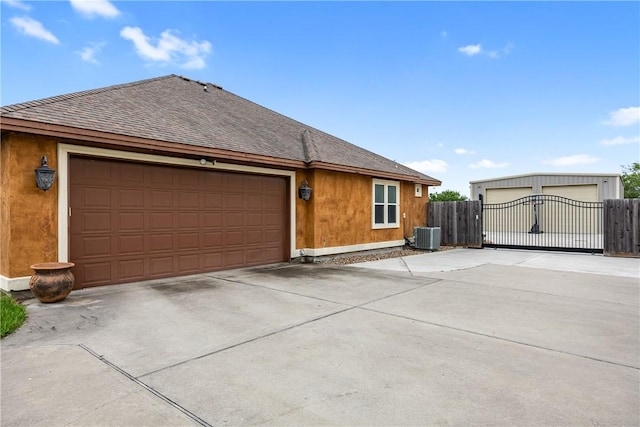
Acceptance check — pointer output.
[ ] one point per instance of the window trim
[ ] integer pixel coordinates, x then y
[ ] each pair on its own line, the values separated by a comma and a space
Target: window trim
386, 204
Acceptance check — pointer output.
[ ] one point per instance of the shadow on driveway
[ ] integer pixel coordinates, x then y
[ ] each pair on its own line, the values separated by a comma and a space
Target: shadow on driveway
332, 345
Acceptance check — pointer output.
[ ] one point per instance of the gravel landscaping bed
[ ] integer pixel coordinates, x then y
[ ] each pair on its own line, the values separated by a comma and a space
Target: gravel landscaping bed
356, 257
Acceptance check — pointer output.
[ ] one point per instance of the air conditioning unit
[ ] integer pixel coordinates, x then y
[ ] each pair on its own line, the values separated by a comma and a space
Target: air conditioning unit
427, 238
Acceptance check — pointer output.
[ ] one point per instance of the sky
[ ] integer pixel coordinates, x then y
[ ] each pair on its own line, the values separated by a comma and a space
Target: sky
461, 91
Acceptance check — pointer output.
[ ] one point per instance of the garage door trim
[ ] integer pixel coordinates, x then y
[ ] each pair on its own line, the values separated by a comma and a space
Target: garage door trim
66, 150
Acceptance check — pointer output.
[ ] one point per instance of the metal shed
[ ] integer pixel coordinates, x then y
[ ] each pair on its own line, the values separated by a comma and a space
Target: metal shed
582, 187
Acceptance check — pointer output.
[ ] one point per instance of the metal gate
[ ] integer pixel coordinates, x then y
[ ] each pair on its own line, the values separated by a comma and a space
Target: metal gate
543, 221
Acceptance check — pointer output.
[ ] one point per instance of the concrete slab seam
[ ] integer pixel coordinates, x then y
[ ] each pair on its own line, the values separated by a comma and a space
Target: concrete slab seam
435, 280
543, 293
238, 282
407, 266
229, 347
528, 259
637, 368
156, 393
288, 328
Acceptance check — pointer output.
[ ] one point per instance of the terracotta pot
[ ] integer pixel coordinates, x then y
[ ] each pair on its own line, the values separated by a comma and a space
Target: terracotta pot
51, 281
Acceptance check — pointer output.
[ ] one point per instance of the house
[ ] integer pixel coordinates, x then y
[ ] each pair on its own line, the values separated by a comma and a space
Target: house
582, 187
170, 176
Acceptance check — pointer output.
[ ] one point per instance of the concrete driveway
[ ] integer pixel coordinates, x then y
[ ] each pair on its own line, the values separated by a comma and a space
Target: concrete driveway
450, 338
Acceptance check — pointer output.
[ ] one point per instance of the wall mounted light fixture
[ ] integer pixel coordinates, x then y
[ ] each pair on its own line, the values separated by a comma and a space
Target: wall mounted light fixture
44, 175
304, 191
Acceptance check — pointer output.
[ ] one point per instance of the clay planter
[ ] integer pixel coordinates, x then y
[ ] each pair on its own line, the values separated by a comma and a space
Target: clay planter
51, 281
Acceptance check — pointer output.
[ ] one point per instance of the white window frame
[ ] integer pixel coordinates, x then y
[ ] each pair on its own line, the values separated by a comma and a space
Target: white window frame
386, 204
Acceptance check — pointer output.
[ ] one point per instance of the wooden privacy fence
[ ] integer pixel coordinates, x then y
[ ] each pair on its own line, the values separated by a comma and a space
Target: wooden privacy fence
622, 227
461, 225
460, 222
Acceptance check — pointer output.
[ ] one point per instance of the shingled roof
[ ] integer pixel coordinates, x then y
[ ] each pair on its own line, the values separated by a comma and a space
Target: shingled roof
177, 110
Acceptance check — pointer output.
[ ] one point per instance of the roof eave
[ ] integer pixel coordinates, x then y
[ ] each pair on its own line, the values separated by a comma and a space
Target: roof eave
91, 137
375, 173
118, 141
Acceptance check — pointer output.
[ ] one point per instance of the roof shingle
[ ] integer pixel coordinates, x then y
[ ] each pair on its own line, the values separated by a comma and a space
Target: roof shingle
178, 110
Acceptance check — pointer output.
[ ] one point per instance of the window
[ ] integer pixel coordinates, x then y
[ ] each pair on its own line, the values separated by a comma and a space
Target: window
386, 204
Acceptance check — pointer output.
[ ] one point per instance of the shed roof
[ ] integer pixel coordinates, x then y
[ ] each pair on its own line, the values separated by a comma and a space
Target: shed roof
545, 174
177, 111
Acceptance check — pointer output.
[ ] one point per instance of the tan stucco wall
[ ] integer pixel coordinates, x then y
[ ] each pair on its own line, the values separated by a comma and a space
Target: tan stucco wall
305, 214
415, 207
339, 212
29, 216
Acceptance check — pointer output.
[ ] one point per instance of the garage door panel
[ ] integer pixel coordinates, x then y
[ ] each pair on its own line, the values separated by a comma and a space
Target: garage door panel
188, 263
212, 239
95, 222
131, 269
503, 195
234, 219
92, 246
160, 266
270, 252
514, 219
161, 199
271, 219
254, 237
188, 200
130, 221
235, 258
158, 176
254, 219
187, 178
95, 197
212, 219
272, 236
94, 273
233, 201
213, 181
130, 244
130, 199
188, 220
212, 260
582, 192
254, 202
134, 221
160, 242
213, 201
188, 241
233, 182
160, 221
129, 174
233, 237
98, 173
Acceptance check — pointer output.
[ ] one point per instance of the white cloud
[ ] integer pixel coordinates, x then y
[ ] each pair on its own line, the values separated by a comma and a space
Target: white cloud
577, 159
470, 50
488, 164
88, 53
476, 49
425, 166
619, 140
444, 34
169, 48
33, 28
624, 117
93, 8
17, 4
462, 151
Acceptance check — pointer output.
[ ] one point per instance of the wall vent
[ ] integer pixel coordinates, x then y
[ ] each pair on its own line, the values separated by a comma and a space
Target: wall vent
427, 238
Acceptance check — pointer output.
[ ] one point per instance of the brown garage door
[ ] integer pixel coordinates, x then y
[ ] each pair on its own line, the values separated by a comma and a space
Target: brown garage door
133, 221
